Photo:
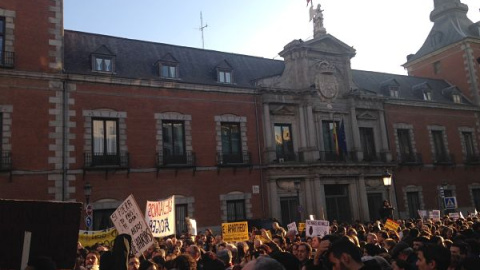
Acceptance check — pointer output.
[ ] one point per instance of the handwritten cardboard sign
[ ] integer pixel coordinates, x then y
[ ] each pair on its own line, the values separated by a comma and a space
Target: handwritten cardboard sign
235, 231
129, 219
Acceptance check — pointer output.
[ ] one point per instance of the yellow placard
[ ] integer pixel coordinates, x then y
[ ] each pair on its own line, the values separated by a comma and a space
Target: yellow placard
391, 225
301, 227
235, 231
90, 238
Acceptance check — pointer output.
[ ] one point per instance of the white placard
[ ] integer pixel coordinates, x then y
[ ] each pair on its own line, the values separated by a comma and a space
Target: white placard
434, 214
292, 227
191, 226
129, 219
160, 216
317, 228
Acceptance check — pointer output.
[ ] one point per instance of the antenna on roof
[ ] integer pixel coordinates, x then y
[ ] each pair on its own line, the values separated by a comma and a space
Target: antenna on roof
201, 29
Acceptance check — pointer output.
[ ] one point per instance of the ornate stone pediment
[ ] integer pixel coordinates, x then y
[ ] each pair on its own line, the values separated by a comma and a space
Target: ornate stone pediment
283, 110
367, 116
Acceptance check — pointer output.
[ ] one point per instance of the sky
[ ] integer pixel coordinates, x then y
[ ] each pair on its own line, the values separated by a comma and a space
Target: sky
383, 32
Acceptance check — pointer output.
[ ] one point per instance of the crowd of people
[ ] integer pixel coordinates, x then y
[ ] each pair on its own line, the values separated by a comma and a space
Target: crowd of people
445, 244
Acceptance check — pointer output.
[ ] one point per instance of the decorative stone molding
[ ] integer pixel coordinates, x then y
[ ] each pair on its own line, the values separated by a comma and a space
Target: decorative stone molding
236, 195
445, 139
9, 16
6, 114
230, 118
412, 188
106, 204
174, 116
105, 113
461, 130
189, 201
56, 32
398, 126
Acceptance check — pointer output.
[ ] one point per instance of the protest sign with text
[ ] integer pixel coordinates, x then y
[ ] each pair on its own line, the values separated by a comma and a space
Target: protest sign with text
292, 227
235, 231
434, 215
104, 237
160, 216
129, 219
317, 228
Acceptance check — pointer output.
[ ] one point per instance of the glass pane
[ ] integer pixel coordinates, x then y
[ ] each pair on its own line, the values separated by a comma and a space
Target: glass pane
167, 139
228, 77
108, 65
469, 148
221, 76
2, 26
438, 143
476, 198
236, 141
413, 204
173, 72
178, 139
180, 214
98, 64
164, 71
111, 137
226, 143
98, 137
404, 141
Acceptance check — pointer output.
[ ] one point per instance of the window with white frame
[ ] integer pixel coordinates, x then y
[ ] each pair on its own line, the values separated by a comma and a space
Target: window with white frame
168, 71
103, 63
225, 76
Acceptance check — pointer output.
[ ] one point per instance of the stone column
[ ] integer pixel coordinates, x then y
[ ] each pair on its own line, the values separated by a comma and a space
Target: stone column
363, 200
383, 135
357, 148
302, 128
269, 147
309, 199
274, 200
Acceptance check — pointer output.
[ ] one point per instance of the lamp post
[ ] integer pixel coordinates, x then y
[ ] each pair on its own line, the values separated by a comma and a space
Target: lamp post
296, 185
387, 182
87, 190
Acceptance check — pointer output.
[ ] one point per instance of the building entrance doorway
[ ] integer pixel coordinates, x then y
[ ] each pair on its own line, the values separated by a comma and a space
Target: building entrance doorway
338, 203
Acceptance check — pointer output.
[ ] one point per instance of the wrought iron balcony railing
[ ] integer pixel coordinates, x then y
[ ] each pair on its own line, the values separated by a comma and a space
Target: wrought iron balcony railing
7, 59
410, 159
290, 157
186, 160
333, 156
6, 161
444, 159
234, 159
102, 160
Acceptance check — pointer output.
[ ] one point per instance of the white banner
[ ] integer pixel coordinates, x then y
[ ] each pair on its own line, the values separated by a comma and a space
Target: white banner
160, 216
434, 214
191, 226
129, 219
317, 228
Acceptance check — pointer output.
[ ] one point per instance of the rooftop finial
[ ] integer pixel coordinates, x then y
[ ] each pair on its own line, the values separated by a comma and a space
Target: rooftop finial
318, 29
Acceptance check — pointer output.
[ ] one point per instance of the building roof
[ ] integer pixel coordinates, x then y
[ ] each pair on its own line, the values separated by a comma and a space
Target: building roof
450, 25
409, 87
139, 60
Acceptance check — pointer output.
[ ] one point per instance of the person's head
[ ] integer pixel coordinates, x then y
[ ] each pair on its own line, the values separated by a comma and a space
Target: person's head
344, 255
401, 265
279, 240
148, 265
195, 252
459, 249
133, 263
93, 258
315, 241
372, 238
304, 251
371, 250
419, 242
386, 203
263, 263
275, 225
185, 262
433, 257
41, 263
225, 256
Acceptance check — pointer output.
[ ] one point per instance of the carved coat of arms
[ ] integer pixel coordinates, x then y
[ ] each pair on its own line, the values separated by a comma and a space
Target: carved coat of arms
325, 81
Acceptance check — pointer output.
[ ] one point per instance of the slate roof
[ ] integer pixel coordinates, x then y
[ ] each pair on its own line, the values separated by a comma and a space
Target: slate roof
409, 87
138, 59
450, 25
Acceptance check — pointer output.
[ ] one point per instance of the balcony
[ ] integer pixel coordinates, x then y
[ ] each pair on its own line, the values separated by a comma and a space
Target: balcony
7, 59
444, 159
333, 156
290, 157
472, 159
410, 159
375, 157
6, 161
106, 162
176, 162
235, 160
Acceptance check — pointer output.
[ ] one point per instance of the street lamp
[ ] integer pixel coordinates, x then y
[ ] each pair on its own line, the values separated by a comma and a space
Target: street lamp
87, 190
387, 182
296, 185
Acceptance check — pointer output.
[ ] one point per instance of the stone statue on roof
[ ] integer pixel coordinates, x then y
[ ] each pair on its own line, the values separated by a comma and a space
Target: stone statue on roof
318, 28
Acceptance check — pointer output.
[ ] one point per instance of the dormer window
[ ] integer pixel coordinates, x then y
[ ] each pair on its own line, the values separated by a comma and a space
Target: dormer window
457, 98
224, 76
103, 64
427, 95
393, 91
168, 67
103, 60
168, 71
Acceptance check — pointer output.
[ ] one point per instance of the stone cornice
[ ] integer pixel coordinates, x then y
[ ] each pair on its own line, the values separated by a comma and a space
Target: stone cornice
429, 104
